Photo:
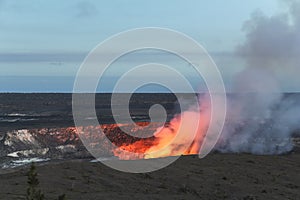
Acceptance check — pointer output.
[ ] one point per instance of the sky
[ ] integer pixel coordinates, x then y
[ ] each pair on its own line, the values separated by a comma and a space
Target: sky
42, 42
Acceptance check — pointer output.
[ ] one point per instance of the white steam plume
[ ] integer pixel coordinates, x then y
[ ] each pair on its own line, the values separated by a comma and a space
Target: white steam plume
260, 118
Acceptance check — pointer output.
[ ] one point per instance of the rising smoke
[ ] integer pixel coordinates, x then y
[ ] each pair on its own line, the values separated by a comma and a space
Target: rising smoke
260, 118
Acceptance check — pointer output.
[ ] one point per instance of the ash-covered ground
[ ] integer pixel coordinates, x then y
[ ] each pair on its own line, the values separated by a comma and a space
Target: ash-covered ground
39, 128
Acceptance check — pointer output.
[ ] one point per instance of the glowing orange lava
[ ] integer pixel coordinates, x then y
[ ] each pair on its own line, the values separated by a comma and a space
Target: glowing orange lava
183, 135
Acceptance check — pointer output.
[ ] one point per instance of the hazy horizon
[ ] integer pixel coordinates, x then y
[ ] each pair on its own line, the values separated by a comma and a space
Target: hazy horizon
52, 40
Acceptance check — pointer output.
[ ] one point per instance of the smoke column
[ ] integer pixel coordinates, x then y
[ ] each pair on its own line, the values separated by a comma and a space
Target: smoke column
260, 119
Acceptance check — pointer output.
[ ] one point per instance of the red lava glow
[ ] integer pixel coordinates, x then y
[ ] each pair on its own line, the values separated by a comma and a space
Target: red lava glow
173, 139
159, 145
183, 135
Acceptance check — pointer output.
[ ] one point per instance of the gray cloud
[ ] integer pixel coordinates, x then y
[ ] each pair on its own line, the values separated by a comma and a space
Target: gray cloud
41, 57
85, 9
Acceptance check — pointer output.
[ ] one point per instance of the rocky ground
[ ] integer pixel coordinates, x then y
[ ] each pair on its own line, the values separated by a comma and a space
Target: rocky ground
218, 176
